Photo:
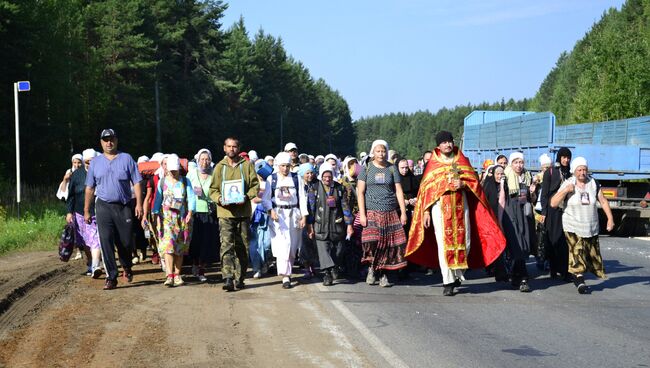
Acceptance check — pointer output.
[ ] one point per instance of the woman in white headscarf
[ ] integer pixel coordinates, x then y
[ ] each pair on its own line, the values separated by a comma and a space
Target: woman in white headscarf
579, 196
285, 201
62, 190
518, 222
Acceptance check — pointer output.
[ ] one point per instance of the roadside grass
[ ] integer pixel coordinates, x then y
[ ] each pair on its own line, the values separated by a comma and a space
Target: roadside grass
41, 221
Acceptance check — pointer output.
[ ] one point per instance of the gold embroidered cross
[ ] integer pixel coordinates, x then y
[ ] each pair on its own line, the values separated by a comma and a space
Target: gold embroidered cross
454, 173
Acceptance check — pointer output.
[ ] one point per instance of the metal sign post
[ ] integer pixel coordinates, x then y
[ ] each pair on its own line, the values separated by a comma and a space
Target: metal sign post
18, 87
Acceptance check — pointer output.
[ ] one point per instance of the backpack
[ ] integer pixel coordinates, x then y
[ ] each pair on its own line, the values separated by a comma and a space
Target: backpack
66, 244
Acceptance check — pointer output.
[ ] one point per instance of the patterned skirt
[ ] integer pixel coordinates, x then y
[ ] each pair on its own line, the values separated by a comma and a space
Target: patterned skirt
384, 241
584, 255
174, 234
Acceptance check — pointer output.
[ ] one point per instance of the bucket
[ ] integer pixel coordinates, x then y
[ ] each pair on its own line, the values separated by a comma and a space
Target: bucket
263, 169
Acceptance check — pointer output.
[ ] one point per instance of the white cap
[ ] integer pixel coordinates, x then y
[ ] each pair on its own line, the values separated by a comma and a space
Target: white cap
289, 146
577, 162
252, 155
269, 157
545, 159
282, 158
515, 155
77, 157
142, 159
173, 162
320, 157
88, 154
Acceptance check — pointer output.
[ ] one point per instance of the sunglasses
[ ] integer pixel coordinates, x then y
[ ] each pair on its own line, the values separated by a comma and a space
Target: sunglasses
108, 139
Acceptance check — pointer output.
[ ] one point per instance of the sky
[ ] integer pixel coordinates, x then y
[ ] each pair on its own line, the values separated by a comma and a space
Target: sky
409, 55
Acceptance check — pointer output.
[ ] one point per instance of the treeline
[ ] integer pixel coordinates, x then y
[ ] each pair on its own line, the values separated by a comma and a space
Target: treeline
607, 74
605, 77
412, 134
97, 64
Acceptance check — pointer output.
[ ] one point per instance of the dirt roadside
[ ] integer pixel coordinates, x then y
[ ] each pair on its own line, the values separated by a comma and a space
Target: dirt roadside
65, 320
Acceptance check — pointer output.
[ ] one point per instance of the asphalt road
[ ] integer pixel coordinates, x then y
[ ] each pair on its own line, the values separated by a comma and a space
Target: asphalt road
490, 325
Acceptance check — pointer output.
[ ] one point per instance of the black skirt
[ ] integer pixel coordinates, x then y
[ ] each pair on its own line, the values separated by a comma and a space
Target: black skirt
205, 238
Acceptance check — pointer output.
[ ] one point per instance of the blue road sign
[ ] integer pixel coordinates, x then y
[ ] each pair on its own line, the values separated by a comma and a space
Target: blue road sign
24, 86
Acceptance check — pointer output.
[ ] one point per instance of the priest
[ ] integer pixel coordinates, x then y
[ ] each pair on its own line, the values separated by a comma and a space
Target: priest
452, 217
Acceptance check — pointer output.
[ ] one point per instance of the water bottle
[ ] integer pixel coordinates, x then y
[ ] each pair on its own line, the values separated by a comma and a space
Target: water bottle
147, 233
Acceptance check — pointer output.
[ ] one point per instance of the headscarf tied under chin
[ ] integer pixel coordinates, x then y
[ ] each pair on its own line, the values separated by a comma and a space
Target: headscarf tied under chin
207, 170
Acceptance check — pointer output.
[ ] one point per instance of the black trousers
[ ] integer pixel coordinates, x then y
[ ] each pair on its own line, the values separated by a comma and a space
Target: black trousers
115, 227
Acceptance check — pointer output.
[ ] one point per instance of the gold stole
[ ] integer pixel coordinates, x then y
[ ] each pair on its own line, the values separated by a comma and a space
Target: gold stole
453, 218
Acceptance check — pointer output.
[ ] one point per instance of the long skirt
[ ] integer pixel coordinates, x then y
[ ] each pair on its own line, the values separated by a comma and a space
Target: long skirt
584, 255
260, 243
286, 238
204, 246
174, 234
384, 241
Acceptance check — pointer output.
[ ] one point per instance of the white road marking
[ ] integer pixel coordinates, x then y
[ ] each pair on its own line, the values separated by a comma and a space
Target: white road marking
372, 339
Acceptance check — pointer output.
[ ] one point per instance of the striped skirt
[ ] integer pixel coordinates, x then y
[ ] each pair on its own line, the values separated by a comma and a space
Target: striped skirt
383, 241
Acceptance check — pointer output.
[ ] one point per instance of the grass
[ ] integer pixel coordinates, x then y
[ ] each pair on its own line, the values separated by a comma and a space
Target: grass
41, 221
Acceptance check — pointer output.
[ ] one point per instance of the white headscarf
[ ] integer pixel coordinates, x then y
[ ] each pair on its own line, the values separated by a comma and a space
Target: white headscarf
283, 158
378, 142
252, 155
203, 150
545, 159
577, 162
515, 155
142, 159
88, 154
173, 162
325, 167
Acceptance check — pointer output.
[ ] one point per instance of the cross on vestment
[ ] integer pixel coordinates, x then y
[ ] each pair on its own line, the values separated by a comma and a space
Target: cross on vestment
454, 173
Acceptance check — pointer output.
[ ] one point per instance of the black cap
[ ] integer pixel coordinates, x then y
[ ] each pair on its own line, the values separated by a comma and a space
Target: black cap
444, 136
107, 133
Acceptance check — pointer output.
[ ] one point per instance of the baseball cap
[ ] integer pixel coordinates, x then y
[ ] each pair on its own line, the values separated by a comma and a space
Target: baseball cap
290, 146
107, 133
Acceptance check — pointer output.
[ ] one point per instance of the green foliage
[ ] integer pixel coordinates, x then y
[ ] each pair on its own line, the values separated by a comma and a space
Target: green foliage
607, 74
413, 134
95, 64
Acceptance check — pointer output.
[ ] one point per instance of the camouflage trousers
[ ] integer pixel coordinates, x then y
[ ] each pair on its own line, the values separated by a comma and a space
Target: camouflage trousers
584, 255
234, 247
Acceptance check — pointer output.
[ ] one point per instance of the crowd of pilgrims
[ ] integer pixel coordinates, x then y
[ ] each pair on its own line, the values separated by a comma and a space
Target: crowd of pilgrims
336, 217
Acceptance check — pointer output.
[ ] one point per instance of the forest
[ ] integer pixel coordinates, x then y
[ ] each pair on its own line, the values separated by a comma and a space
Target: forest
99, 64
605, 77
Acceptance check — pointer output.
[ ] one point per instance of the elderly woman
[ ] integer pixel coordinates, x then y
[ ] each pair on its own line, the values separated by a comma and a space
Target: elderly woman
579, 196
307, 251
86, 235
518, 223
379, 195
175, 203
336, 165
286, 203
62, 189
204, 246
332, 222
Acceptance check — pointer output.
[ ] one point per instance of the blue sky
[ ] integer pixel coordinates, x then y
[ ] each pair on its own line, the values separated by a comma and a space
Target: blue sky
403, 56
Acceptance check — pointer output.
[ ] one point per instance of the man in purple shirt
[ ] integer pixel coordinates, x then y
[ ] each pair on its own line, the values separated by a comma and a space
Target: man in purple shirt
109, 178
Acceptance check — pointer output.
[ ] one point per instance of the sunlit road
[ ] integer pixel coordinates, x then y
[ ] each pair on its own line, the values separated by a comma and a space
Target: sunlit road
489, 325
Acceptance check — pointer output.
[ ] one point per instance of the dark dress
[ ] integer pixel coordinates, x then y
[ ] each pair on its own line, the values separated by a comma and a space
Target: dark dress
557, 251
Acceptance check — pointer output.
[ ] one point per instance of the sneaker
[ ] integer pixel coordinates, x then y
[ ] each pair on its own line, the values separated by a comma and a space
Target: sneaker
257, 275
370, 279
523, 287
96, 273
135, 260
169, 281
383, 282
228, 285
195, 270
110, 284
286, 283
128, 275
178, 280
155, 258
583, 288
202, 278
89, 272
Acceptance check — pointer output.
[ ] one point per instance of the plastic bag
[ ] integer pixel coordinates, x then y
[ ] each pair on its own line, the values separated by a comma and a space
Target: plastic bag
66, 244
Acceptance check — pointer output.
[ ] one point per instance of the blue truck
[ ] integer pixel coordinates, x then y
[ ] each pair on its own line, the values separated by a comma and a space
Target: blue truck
618, 153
